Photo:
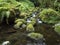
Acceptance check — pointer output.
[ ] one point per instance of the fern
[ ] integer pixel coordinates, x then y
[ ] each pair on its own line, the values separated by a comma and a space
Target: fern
1, 17
50, 16
7, 5
7, 14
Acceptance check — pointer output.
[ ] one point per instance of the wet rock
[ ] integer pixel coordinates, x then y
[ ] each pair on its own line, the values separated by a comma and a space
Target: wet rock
5, 43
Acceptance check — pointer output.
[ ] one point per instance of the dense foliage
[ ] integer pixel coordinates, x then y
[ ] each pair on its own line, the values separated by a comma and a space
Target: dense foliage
49, 16
10, 8
30, 28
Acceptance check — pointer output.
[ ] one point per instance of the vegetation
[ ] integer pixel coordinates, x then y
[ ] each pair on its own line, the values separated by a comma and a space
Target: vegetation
57, 28
35, 36
49, 16
57, 5
9, 7
30, 18
17, 25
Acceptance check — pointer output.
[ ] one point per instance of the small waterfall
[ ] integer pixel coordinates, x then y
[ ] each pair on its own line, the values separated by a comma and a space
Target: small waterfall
28, 20
23, 25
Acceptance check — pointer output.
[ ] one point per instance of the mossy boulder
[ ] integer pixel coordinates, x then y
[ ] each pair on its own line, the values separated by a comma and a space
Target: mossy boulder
57, 28
17, 25
35, 36
20, 20
29, 28
49, 16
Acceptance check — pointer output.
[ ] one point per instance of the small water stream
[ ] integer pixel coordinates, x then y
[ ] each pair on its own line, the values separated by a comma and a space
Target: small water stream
16, 36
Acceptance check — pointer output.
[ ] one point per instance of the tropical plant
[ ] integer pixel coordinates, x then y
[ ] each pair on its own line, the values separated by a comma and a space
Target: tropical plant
49, 16
7, 8
4, 13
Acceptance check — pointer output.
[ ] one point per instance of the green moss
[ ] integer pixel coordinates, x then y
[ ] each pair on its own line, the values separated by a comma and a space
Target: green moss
35, 36
29, 28
19, 20
5, 10
17, 25
49, 16
57, 28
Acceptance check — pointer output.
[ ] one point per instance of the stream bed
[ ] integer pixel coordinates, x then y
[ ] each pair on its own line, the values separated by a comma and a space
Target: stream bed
17, 37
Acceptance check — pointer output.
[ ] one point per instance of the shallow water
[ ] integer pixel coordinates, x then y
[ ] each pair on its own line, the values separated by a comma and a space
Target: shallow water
17, 37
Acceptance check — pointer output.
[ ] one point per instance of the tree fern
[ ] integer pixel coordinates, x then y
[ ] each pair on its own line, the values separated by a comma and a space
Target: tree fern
50, 16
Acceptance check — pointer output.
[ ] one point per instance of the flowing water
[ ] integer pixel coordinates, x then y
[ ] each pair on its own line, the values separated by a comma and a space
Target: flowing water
16, 37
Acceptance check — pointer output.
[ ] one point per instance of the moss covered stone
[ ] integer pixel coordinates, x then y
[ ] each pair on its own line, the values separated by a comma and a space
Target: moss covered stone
57, 28
17, 25
29, 28
35, 36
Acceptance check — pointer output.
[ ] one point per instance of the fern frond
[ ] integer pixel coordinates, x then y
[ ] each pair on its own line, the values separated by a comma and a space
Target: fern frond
7, 14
